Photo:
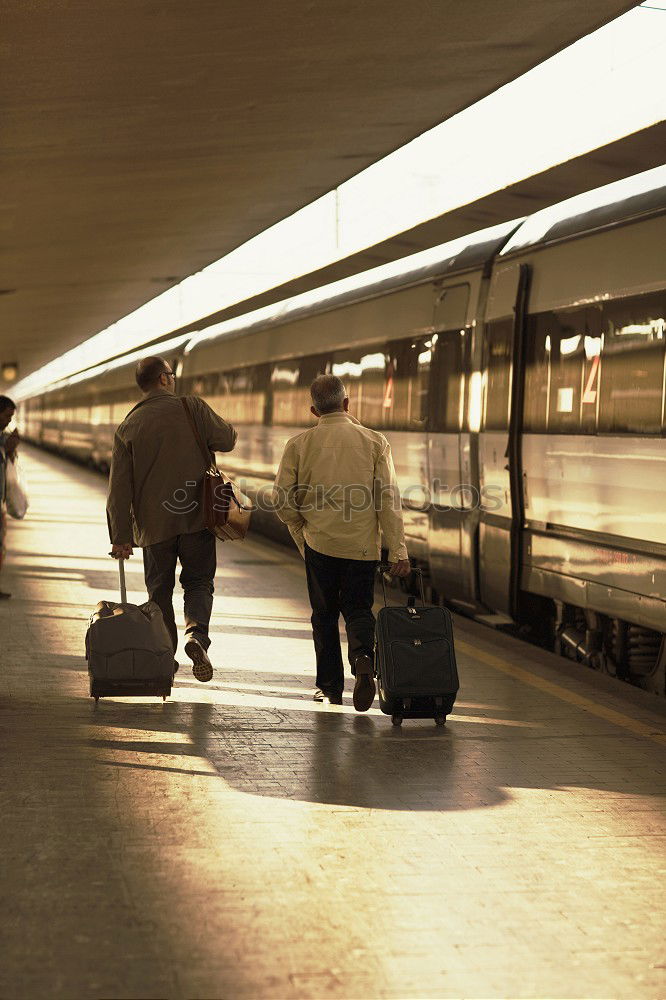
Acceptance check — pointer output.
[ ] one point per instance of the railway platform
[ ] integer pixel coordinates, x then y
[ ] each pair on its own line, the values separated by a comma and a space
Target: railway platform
240, 841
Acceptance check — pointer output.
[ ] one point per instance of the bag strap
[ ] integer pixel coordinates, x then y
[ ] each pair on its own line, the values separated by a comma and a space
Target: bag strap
210, 464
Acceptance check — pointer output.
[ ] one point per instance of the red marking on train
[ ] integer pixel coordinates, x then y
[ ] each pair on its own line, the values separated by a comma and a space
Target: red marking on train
388, 394
590, 394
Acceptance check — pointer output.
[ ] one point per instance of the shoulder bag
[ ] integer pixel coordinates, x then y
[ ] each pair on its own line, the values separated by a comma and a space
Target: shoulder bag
227, 510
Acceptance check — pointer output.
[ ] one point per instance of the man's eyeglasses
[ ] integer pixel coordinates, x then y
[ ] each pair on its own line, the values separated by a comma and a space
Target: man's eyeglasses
172, 374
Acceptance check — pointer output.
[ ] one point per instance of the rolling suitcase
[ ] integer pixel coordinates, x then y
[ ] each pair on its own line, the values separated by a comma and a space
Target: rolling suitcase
128, 648
415, 661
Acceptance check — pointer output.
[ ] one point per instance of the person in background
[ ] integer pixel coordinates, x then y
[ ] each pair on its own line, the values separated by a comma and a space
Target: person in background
336, 491
8, 446
154, 501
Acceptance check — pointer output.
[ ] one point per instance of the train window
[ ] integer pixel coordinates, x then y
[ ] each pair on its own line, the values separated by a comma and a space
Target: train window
286, 411
205, 386
405, 386
448, 381
117, 405
100, 413
290, 389
632, 368
242, 395
387, 386
185, 385
364, 374
537, 375
562, 371
566, 333
499, 338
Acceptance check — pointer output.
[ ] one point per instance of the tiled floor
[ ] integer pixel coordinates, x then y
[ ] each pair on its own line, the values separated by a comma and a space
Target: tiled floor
240, 841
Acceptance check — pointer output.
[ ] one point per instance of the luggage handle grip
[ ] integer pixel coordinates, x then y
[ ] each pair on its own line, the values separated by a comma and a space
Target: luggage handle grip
383, 567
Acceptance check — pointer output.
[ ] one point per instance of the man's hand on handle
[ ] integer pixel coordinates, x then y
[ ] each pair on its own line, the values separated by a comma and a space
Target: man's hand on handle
121, 551
400, 568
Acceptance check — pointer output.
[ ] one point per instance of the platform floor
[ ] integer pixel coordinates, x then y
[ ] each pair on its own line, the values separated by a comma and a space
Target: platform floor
240, 841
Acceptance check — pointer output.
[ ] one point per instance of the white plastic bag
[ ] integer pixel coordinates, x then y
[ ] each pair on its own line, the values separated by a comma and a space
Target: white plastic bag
15, 492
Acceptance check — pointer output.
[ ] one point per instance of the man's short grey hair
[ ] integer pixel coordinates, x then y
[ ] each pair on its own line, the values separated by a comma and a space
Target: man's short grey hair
328, 393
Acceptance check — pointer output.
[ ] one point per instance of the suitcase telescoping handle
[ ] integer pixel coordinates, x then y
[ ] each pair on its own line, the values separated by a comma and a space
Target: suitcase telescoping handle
121, 574
383, 567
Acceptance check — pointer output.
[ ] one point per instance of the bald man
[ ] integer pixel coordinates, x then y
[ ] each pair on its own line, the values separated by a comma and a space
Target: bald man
154, 501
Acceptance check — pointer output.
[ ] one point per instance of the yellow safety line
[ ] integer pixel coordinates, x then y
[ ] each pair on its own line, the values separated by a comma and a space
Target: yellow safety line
609, 714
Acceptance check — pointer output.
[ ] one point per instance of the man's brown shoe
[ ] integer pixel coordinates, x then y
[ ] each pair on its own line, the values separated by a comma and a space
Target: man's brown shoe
201, 665
364, 688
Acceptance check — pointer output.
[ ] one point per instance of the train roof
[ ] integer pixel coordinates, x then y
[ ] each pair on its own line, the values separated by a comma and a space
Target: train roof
623, 201
463, 254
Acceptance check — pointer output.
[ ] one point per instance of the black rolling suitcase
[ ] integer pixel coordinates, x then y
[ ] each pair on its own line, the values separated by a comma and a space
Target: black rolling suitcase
415, 661
128, 648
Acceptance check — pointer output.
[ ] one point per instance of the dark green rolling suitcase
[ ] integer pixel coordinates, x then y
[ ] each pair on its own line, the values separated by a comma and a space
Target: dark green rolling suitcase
128, 649
415, 661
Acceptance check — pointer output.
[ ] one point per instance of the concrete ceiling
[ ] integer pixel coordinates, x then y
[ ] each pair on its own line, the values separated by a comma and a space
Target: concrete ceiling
144, 139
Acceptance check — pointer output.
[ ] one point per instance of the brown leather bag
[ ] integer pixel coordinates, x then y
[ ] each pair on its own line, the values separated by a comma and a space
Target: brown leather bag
227, 510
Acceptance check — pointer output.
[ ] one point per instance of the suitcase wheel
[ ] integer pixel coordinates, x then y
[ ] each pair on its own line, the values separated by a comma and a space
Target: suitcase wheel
396, 720
440, 720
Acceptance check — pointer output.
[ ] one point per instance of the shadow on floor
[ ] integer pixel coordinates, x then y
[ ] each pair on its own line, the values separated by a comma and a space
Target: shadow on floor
286, 746
312, 755
326, 756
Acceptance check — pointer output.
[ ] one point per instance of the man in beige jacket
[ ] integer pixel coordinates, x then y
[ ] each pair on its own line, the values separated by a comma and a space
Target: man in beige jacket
336, 491
155, 501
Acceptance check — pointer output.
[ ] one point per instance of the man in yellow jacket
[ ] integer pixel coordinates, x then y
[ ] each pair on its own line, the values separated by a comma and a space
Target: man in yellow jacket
337, 493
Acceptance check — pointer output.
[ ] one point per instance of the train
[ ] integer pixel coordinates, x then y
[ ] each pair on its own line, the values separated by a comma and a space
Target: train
519, 374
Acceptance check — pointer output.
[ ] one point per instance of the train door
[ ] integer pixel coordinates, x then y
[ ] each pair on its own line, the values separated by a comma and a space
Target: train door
450, 545
500, 476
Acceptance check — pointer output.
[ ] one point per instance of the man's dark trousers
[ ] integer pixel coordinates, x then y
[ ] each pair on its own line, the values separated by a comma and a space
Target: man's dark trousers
339, 586
198, 563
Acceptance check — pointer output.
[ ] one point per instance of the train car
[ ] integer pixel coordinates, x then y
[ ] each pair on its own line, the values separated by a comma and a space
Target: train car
573, 431
519, 374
